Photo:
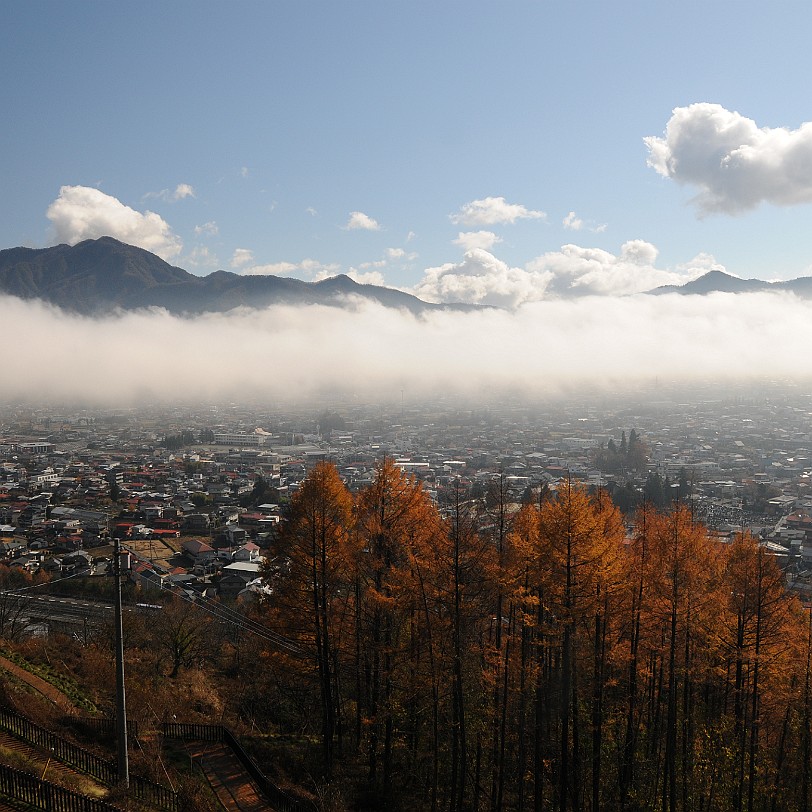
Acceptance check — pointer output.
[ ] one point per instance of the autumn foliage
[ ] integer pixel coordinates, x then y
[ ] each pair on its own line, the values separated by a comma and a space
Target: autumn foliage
545, 656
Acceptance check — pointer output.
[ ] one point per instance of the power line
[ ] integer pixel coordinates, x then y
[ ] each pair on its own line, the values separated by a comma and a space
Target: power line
227, 615
36, 586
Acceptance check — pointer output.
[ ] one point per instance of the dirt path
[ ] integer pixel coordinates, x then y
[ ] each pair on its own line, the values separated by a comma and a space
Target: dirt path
226, 776
40, 685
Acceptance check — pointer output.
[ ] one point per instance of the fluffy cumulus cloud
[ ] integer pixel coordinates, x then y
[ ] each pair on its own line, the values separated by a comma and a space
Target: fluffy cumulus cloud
241, 256
369, 351
493, 210
83, 213
482, 278
735, 164
578, 271
469, 240
359, 221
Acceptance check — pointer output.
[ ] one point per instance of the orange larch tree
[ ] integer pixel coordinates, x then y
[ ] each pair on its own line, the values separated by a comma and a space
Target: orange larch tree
315, 545
389, 512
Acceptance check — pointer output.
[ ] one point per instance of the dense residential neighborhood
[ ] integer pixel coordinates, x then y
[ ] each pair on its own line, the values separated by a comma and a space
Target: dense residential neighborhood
196, 496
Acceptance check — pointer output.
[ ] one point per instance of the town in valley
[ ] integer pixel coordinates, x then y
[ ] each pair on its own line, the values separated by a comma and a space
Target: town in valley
196, 494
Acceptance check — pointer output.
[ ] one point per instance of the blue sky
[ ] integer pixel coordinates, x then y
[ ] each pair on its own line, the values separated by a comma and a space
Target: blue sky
312, 138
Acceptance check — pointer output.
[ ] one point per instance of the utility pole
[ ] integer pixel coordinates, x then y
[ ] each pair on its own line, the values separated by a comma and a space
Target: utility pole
121, 704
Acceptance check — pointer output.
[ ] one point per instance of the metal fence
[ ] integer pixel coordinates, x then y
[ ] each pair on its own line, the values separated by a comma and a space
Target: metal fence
83, 760
100, 725
218, 733
37, 794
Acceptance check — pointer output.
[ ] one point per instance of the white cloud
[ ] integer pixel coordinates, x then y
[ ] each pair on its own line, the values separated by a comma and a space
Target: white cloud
241, 256
311, 211
309, 268
202, 257
493, 210
244, 171
209, 229
572, 271
369, 278
735, 164
82, 213
477, 239
577, 271
182, 191
701, 264
391, 255
481, 278
400, 254
540, 350
359, 220
573, 222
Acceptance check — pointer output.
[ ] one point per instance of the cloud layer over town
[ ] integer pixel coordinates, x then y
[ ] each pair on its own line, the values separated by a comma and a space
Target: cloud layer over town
290, 354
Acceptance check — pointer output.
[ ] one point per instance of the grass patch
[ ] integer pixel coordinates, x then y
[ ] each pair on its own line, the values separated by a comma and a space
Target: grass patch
66, 685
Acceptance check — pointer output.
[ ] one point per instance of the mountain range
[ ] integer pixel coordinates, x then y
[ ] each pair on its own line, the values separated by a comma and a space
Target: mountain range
721, 282
99, 276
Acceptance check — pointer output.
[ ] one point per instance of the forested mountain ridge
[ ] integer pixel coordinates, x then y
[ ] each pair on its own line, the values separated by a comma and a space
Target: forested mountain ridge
98, 276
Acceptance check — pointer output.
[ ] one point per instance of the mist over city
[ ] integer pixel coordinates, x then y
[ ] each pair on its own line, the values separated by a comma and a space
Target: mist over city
370, 352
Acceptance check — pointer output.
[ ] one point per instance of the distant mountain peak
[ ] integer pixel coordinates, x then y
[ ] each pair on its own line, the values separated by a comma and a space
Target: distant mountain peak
102, 275
339, 281
715, 281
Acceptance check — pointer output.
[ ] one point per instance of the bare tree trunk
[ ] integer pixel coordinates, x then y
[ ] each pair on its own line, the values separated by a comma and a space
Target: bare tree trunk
599, 651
